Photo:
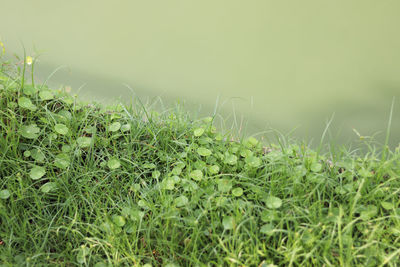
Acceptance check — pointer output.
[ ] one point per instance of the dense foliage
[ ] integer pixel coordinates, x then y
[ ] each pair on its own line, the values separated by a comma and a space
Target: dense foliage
84, 184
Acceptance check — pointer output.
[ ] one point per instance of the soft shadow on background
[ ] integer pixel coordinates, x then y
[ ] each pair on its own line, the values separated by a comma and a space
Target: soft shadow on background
280, 64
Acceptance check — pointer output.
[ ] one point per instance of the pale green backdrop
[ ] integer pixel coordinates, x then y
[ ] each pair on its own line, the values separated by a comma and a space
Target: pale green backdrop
281, 64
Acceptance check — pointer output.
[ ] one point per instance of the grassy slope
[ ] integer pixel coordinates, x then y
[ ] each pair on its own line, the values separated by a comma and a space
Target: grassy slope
84, 184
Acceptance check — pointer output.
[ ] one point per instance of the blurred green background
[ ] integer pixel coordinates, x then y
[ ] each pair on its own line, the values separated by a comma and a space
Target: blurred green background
281, 64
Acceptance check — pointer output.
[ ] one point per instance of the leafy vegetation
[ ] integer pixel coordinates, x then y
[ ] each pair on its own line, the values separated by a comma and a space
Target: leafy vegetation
85, 184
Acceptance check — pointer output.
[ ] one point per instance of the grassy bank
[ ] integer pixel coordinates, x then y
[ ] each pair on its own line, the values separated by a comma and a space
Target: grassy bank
85, 184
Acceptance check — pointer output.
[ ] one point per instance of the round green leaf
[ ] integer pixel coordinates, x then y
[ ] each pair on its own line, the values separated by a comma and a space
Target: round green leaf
267, 229
37, 172
46, 95
48, 187
202, 151
387, 205
84, 142
181, 201
269, 215
118, 220
214, 169
62, 161
38, 155
155, 174
224, 185
364, 173
149, 166
113, 164
237, 192
198, 132
228, 222
316, 167
230, 159
30, 131
251, 142
273, 202
66, 148
4, 194
29, 89
196, 175
26, 103
61, 129
368, 212
82, 253
168, 184
253, 161
126, 127
114, 127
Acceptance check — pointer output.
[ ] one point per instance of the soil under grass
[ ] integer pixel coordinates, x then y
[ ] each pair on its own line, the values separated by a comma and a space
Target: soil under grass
124, 186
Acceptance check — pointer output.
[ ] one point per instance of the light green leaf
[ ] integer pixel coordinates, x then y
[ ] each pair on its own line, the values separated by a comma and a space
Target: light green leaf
364, 173
4, 194
30, 131
132, 213
237, 192
269, 215
126, 127
114, 127
253, 161
82, 253
181, 201
230, 159
316, 167
168, 184
267, 229
29, 89
155, 174
118, 220
228, 222
149, 165
224, 185
176, 170
61, 129
198, 132
273, 202
66, 148
214, 169
48, 187
46, 95
38, 155
387, 205
202, 151
251, 142
62, 161
26, 103
84, 142
37, 172
196, 175
368, 212
113, 164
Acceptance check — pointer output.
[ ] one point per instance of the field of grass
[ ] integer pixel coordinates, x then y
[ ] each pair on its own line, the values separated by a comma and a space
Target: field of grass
85, 184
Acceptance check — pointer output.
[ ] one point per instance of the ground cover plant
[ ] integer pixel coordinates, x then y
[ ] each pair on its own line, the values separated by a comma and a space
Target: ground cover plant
85, 184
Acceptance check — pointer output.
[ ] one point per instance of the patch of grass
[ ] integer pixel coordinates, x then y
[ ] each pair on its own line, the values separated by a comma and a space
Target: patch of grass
85, 184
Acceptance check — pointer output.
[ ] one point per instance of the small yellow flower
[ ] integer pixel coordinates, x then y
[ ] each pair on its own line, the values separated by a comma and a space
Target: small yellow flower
29, 60
2, 49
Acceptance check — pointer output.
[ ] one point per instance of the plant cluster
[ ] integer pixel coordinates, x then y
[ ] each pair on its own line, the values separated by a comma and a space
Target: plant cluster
85, 184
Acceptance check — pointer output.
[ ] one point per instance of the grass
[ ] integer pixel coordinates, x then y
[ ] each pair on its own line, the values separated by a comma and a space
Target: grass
85, 184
